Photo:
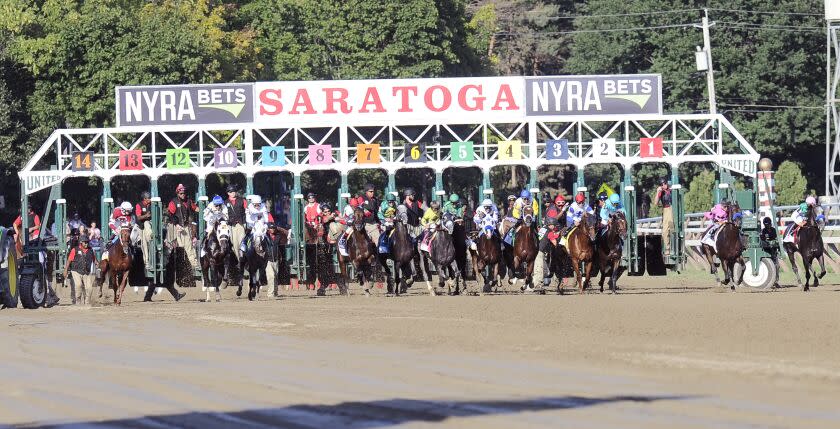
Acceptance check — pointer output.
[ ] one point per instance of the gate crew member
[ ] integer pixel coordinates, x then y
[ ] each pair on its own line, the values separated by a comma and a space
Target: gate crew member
414, 210
312, 211
547, 241
557, 210
34, 227
181, 230
143, 217
236, 207
370, 205
273, 255
663, 199
81, 263
332, 223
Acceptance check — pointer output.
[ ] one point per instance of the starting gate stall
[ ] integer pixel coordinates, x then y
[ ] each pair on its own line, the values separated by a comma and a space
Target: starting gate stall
299, 127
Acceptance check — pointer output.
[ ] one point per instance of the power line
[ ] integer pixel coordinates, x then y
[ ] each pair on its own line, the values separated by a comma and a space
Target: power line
774, 26
774, 106
614, 15
754, 27
759, 12
603, 30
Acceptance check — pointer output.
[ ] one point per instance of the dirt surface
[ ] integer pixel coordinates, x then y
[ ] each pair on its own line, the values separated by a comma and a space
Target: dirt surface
665, 352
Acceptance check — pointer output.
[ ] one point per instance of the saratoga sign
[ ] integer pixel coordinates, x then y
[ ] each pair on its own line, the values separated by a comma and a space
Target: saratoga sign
390, 101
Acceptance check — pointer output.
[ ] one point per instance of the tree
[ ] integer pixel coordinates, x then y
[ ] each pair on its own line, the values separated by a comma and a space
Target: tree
701, 192
790, 184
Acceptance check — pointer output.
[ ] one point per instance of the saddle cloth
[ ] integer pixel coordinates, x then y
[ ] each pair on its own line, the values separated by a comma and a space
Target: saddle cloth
710, 238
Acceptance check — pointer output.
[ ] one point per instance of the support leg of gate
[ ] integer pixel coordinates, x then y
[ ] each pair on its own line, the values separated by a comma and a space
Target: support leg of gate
677, 211
104, 212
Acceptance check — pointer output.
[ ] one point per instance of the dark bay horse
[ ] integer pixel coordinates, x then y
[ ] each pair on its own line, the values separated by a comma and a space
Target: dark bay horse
610, 247
520, 258
729, 249
254, 259
442, 256
581, 251
362, 253
487, 257
319, 259
402, 253
217, 259
117, 265
808, 242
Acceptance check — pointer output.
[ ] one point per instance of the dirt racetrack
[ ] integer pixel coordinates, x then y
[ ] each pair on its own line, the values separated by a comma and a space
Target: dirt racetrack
664, 353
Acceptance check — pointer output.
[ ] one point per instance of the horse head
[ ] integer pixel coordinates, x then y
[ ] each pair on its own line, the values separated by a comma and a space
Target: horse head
618, 223
488, 230
811, 217
259, 232
358, 217
448, 222
125, 235
528, 215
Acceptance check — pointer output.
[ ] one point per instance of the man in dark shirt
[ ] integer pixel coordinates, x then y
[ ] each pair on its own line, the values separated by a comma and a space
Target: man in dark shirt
181, 230
143, 218
663, 199
236, 207
370, 205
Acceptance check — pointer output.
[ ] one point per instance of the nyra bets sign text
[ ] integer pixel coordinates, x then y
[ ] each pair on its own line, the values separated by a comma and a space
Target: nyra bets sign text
185, 104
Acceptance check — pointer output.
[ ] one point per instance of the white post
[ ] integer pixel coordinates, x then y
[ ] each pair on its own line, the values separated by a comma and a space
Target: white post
710, 77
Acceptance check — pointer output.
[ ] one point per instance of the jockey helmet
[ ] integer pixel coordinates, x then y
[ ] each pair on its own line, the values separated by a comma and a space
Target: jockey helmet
408, 191
391, 198
454, 198
180, 188
125, 206
525, 194
434, 205
615, 198
811, 201
602, 196
231, 188
511, 198
487, 203
145, 195
217, 200
559, 200
256, 199
767, 221
579, 198
325, 206
803, 208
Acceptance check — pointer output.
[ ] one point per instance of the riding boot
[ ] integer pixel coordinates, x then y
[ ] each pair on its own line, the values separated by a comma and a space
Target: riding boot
546, 268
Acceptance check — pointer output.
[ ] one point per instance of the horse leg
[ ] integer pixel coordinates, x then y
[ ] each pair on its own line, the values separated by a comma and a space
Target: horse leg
576, 266
512, 276
122, 287
456, 275
821, 260
588, 268
707, 252
792, 258
807, 265
743, 269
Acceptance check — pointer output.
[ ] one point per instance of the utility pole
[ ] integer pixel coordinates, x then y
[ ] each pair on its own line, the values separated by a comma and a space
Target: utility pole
710, 77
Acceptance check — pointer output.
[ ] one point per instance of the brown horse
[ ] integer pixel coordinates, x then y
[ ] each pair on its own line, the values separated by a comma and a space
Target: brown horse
729, 248
524, 251
117, 265
362, 253
610, 250
808, 242
487, 256
581, 250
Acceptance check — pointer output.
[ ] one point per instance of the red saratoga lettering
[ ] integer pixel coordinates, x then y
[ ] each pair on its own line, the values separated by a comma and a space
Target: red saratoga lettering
341, 99
447, 98
372, 97
505, 96
478, 100
302, 100
270, 105
404, 90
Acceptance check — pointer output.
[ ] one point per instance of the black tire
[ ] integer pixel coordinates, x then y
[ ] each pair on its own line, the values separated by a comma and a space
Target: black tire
8, 290
33, 291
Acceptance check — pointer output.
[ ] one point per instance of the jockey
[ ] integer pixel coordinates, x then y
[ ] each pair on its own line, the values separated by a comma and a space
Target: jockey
799, 220
454, 207
557, 210
121, 216
370, 205
332, 223
255, 214
387, 211
511, 199
215, 212
486, 214
550, 237
524, 200
576, 210
430, 220
718, 215
312, 211
347, 217
610, 208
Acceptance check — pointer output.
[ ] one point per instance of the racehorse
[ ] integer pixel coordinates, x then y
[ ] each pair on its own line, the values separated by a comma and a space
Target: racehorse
254, 259
117, 265
487, 257
808, 242
216, 258
402, 253
610, 247
362, 253
442, 256
524, 251
728, 249
581, 250
319, 258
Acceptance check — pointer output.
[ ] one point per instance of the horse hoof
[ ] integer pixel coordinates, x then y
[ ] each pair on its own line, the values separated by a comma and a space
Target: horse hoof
367, 292
239, 292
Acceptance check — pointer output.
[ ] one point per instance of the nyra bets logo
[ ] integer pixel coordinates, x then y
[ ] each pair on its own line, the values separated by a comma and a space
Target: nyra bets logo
184, 104
594, 95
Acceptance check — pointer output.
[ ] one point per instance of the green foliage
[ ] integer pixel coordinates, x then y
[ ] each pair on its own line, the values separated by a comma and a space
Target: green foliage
790, 184
701, 192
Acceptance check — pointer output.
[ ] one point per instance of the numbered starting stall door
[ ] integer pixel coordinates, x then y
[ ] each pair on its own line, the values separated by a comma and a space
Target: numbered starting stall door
367, 153
82, 161
320, 154
274, 156
177, 159
510, 150
131, 160
225, 157
415, 153
603, 148
650, 147
557, 149
462, 151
